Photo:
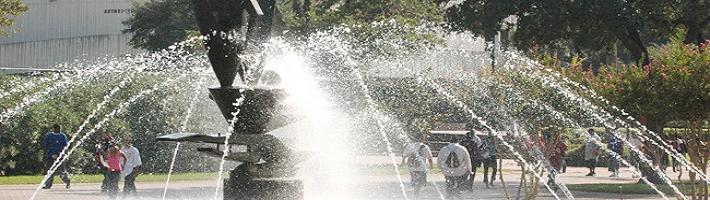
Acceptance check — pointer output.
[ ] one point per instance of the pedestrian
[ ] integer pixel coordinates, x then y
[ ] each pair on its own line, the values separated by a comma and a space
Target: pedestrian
54, 143
615, 145
489, 160
113, 168
417, 156
102, 148
636, 143
473, 145
591, 152
132, 167
559, 152
682, 149
455, 164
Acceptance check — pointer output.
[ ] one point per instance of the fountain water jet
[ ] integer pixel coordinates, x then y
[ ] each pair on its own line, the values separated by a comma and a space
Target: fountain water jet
548, 81
463, 106
267, 167
107, 117
667, 148
371, 105
183, 126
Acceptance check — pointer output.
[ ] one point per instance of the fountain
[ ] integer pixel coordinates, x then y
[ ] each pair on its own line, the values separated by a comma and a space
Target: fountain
255, 108
267, 164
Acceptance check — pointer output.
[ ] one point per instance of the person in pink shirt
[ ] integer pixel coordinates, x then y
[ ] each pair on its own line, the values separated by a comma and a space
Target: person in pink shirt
113, 165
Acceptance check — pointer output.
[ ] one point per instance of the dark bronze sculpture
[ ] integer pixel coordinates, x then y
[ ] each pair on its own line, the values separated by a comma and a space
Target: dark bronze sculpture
267, 164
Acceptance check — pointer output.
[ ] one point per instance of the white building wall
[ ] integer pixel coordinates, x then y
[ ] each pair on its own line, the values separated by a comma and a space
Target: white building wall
55, 19
57, 31
48, 53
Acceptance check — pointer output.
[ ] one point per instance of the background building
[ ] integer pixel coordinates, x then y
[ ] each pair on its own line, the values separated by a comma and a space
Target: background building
56, 31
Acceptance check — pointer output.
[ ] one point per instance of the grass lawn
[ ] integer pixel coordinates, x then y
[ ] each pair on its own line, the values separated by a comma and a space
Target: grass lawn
96, 178
627, 188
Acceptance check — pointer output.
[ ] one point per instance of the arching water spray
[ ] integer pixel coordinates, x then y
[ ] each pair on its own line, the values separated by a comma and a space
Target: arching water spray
183, 127
107, 117
27, 85
474, 116
667, 148
586, 104
372, 107
99, 106
230, 132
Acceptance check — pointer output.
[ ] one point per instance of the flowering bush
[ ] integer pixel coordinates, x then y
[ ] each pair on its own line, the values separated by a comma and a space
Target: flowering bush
674, 86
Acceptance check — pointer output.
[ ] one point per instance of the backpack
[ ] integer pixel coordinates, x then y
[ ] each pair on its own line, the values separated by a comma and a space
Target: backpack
416, 159
453, 160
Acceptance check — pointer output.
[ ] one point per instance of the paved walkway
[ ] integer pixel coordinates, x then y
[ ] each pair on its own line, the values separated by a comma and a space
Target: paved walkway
376, 186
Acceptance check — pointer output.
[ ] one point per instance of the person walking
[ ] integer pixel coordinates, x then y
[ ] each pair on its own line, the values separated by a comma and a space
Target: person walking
473, 145
615, 145
132, 167
417, 156
102, 148
114, 167
54, 142
489, 160
555, 157
591, 152
455, 164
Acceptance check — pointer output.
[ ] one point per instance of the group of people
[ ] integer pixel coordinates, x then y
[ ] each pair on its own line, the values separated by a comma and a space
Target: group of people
457, 161
616, 145
115, 162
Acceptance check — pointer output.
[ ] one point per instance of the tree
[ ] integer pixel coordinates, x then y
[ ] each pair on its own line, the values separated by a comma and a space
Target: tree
586, 25
667, 16
156, 25
9, 9
675, 86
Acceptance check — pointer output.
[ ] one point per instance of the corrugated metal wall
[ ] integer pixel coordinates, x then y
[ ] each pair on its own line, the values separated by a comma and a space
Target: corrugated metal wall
57, 31
54, 19
47, 53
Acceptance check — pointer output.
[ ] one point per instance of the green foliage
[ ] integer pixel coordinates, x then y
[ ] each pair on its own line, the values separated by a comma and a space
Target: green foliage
377, 24
332, 13
583, 26
417, 106
88, 178
653, 91
156, 25
627, 188
144, 120
8, 10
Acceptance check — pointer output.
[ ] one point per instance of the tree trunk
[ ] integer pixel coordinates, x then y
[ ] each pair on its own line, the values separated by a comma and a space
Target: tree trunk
632, 41
693, 35
655, 153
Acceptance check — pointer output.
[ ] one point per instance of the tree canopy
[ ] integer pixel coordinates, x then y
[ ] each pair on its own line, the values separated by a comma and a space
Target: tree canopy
156, 25
8, 10
584, 25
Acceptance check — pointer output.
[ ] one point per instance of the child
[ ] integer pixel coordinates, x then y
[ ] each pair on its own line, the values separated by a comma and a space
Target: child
113, 165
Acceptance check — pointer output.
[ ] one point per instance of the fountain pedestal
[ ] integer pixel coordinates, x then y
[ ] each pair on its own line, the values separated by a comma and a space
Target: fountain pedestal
268, 165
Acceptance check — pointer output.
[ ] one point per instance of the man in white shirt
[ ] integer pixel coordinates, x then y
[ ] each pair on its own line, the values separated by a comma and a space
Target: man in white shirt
455, 163
132, 166
417, 156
